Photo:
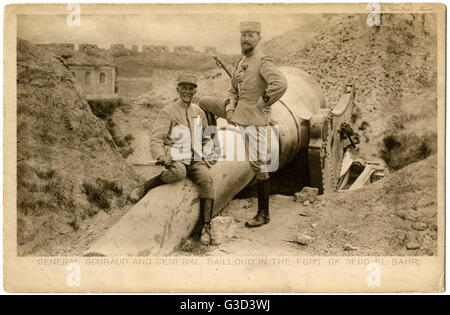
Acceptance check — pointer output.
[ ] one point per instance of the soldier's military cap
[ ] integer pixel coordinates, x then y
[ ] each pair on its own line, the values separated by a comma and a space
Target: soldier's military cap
187, 78
250, 26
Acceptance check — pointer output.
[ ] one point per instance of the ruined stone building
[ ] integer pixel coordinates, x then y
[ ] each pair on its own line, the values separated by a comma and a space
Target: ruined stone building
183, 50
95, 76
96, 80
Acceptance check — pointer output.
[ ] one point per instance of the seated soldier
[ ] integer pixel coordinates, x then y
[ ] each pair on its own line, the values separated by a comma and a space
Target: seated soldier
172, 133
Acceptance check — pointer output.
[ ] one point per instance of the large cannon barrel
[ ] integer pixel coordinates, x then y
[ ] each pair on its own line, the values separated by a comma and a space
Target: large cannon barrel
167, 214
292, 113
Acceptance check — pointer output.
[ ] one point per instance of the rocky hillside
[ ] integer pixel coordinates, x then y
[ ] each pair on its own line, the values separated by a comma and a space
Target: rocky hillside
393, 68
68, 167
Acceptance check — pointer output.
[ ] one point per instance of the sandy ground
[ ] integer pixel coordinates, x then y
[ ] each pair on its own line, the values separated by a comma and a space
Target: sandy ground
271, 239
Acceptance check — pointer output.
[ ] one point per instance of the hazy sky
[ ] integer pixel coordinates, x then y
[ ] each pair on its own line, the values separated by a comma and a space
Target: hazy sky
198, 30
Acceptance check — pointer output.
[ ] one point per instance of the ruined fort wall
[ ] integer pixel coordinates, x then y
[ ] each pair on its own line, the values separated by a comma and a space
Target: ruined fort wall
155, 49
68, 49
210, 50
60, 49
88, 49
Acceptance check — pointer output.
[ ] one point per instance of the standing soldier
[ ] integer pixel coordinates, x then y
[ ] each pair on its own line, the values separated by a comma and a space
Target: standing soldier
256, 84
173, 144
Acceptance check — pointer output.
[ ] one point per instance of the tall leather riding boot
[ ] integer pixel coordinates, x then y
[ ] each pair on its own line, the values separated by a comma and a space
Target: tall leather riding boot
153, 182
206, 208
262, 216
141, 190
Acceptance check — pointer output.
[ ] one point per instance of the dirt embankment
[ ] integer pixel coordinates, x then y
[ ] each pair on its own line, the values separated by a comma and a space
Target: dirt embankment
68, 167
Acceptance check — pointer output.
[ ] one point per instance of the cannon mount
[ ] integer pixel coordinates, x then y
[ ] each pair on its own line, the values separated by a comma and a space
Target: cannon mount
330, 136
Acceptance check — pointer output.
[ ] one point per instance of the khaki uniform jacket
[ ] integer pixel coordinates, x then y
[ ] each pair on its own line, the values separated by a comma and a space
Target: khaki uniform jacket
255, 81
172, 115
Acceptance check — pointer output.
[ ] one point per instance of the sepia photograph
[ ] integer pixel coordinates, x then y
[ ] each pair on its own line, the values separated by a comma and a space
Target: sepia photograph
232, 135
